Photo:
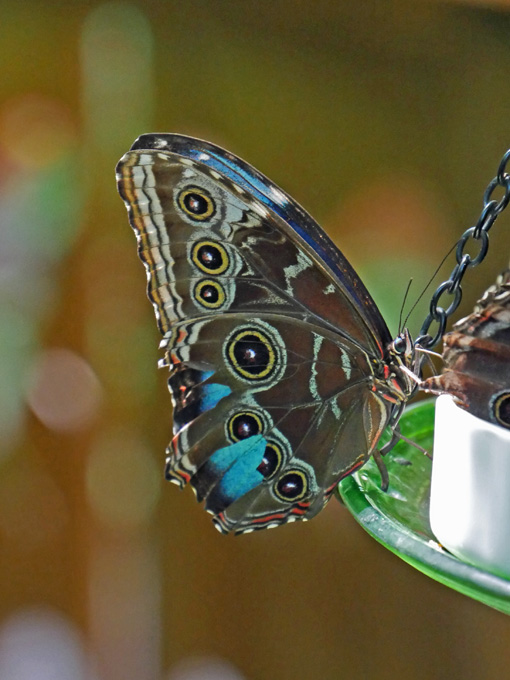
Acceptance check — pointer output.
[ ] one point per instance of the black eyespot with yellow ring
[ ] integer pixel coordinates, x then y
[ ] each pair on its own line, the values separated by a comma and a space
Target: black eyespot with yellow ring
292, 486
210, 257
501, 409
251, 354
197, 203
209, 294
244, 424
272, 460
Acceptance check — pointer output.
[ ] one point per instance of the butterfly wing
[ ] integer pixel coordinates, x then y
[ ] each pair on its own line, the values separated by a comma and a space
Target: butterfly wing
477, 357
274, 346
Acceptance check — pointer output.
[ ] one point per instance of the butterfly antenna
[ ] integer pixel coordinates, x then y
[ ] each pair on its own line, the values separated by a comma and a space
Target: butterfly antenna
427, 356
403, 305
429, 282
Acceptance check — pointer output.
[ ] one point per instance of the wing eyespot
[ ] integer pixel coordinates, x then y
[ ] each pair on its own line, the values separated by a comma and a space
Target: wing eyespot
251, 354
244, 424
210, 257
209, 294
501, 409
292, 486
272, 460
196, 203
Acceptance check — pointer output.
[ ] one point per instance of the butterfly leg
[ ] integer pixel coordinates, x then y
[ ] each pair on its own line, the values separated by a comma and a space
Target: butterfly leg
416, 446
383, 470
397, 436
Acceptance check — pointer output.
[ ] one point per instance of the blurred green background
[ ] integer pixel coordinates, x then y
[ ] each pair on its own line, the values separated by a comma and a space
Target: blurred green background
386, 120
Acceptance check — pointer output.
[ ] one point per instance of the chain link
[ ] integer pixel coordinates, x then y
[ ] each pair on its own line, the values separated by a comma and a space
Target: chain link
480, 234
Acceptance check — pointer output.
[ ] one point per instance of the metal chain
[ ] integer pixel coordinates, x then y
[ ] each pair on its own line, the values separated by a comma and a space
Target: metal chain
479, 233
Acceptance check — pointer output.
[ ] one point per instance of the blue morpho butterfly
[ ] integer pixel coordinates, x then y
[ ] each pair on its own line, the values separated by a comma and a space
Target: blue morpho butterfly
283, 373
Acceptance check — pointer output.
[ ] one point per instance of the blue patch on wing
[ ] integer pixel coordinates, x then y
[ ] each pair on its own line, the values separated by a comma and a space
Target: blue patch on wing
211, 395
239, 464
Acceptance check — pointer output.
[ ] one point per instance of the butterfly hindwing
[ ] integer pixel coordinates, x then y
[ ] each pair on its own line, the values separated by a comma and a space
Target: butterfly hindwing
300, 411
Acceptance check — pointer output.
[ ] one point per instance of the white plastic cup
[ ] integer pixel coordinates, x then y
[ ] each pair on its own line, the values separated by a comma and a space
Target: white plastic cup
470, 488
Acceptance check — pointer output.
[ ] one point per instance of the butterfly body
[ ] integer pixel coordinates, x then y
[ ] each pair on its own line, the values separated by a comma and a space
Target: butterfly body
283, 373
477, 357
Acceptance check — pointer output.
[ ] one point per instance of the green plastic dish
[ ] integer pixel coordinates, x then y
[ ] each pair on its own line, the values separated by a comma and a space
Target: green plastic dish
399, 518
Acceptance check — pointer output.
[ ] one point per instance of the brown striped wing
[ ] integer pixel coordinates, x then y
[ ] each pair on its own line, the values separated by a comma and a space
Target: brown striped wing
477, 357
276, 374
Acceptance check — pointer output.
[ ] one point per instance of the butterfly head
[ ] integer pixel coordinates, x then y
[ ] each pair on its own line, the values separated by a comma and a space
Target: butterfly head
402, 346
404, 362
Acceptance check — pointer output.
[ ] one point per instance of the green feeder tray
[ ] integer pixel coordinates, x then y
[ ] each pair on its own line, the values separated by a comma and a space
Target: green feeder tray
399, 518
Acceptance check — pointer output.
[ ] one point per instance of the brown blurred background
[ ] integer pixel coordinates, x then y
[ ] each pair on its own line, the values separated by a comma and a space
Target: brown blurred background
385, 120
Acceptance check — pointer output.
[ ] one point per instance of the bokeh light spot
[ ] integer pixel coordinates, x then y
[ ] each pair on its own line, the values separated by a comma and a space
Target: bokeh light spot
40, 644
204, 668
35, 130
64, 392
116, 62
